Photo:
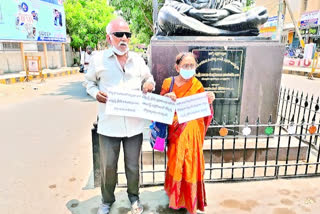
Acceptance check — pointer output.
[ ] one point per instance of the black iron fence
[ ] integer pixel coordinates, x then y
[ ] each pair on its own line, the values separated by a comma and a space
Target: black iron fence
243, 154
250, 151
257, 156
247, 155
294, 105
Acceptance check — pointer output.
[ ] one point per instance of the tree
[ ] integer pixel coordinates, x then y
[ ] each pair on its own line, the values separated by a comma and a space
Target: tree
86, 21
139, 15
250, 3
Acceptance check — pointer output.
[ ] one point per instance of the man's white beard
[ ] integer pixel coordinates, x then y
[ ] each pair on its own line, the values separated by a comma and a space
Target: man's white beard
118, 52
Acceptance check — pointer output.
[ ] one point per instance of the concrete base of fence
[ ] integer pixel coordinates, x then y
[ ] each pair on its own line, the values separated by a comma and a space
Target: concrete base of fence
159, 157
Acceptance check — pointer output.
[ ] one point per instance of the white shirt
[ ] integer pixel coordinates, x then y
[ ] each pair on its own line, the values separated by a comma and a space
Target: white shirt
105, 72
85, 59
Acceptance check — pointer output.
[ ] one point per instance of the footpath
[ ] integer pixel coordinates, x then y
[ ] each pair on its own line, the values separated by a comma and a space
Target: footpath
282, 196
47, 73
300, 71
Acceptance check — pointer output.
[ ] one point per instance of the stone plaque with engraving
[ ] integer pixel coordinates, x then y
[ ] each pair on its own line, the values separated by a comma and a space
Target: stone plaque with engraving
221, 71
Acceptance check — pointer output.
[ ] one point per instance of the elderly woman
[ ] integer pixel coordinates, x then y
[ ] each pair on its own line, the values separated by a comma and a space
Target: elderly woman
185, 170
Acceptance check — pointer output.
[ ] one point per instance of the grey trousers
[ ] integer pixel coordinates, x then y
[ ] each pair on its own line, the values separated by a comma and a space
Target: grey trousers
109, 155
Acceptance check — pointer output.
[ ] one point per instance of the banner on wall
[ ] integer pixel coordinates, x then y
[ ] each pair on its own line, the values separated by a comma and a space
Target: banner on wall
305, 63
32, 20
310, 18
269, 29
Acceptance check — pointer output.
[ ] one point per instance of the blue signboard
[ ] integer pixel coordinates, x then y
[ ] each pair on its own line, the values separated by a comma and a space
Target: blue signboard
309, 22
32, 20
310, 18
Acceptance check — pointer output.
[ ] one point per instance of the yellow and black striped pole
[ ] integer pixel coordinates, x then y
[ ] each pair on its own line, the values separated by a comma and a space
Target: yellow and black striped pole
314, 65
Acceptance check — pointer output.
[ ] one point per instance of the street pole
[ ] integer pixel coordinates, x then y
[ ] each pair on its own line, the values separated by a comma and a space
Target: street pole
45, 54
155, 12
314, 65
295, 24
24, 61
281, 17
63, 49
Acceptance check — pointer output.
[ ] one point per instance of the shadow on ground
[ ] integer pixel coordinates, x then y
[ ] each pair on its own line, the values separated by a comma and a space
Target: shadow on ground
73, 90
154, 202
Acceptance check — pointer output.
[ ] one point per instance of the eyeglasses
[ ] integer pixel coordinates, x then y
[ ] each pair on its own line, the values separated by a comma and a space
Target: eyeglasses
188, 66
120, 34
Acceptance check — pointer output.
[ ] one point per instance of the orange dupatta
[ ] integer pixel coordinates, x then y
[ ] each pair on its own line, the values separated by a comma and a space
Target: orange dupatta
185, 169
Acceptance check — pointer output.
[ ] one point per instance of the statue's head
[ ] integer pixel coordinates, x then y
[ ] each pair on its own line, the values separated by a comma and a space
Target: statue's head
118, 35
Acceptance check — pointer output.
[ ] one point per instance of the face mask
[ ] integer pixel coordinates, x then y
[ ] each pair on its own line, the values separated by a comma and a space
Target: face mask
187, 74
116, 51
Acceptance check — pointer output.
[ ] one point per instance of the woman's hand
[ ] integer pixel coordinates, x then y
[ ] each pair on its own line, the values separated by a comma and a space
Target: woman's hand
211, 97
172, 95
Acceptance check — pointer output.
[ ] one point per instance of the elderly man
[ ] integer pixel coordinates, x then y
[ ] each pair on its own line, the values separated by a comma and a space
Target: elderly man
86, 57
209, 17
118, 67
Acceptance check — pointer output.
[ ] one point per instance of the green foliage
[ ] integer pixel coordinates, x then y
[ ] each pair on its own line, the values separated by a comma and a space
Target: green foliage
133, 41
86, 21
139, 15
250, 3
138, 50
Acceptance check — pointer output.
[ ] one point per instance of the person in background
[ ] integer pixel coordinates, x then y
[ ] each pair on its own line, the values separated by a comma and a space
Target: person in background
57, 18
34, 15
86, 57
117, 67
184, 183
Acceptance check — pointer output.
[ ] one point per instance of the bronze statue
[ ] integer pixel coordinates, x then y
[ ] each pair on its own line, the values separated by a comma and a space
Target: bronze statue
209, 18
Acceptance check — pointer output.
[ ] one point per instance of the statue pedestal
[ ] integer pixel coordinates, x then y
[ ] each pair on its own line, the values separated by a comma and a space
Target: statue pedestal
243, 72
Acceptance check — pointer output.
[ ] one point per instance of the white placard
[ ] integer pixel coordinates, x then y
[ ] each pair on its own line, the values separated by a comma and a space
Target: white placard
192, 107
157, 108
123, 102
133, 103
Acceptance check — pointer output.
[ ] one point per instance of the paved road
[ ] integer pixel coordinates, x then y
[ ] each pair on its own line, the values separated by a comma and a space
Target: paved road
45, 155
45, 159
301, 83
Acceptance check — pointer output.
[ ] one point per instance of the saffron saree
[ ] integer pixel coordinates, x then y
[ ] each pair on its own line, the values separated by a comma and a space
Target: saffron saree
184, 183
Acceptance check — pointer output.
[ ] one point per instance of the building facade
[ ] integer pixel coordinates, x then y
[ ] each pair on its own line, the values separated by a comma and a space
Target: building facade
306, 14
11, 59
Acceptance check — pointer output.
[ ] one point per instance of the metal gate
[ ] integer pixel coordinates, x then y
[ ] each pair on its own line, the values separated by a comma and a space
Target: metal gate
250, 151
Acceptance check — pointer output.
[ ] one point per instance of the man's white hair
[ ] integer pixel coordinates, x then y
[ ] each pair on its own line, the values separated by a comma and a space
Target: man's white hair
108, 29
109, 26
